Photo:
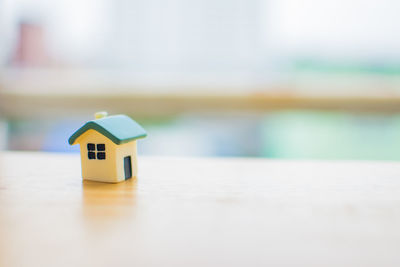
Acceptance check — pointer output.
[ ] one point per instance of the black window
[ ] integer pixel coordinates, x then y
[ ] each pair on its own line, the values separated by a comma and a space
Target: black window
91, 146
92, 151
101, 147
101, 155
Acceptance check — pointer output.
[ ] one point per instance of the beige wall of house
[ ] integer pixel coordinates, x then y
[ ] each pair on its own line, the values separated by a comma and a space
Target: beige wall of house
112, 168
124, 150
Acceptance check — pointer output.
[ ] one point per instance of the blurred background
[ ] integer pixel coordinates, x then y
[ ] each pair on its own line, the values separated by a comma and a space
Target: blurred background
311, 79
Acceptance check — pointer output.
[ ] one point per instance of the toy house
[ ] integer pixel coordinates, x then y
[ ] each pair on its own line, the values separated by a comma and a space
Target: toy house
108, 147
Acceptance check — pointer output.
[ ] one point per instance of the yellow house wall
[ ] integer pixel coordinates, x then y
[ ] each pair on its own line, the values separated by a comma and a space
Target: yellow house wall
111, 169
124, 150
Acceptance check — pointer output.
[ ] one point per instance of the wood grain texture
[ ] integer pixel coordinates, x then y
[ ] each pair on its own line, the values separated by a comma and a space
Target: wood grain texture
200, 212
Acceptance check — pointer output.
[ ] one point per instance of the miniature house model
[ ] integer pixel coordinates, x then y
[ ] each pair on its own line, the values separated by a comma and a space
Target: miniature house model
108, 147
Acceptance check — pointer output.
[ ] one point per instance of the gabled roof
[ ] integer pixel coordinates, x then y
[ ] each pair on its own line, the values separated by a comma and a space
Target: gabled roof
118, 128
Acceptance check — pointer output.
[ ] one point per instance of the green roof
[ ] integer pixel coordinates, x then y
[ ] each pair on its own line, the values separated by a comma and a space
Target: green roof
118, 128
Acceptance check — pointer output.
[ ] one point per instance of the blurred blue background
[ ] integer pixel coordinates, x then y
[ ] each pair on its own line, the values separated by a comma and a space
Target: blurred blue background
249, 78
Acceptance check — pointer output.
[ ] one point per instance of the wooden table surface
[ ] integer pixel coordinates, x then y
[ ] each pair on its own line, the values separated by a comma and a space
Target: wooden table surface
200, 212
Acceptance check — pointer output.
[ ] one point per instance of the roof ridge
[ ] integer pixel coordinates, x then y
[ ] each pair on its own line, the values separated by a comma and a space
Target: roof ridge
119, 129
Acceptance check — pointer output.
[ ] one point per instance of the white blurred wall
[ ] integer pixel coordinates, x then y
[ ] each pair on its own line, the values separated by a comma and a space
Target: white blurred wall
206, 35
335, 29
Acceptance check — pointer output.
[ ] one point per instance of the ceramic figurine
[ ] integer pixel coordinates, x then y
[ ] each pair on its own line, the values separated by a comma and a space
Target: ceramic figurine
108, 147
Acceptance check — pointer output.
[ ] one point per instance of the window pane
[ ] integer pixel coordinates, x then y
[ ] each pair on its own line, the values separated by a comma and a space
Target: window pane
101, 147
91, 146
101, 155
91, 155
